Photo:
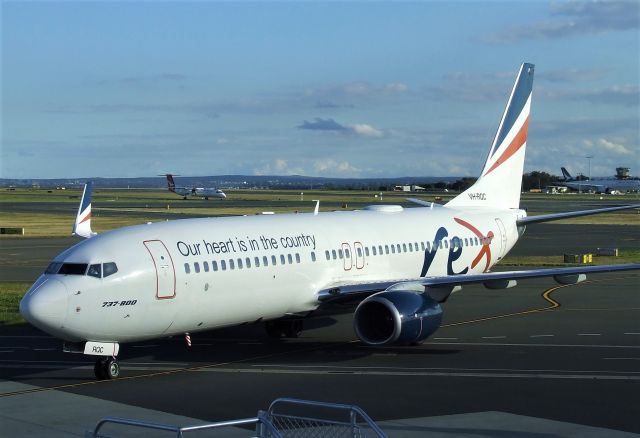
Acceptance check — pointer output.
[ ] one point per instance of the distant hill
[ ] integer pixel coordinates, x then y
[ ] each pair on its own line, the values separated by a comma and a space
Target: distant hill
234, 181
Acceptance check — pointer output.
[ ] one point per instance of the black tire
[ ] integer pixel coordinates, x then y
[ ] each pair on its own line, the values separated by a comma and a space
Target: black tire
99, 369
111, 368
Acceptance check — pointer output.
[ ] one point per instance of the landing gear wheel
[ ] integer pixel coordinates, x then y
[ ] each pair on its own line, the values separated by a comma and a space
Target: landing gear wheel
112, 368
99, 368
284, 329
106, 368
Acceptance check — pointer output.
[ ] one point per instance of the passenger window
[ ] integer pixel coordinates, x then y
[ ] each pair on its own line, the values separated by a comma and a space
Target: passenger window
326, 254
340, 254
239, 263
223, 265
366, 251
265, 261
404, 247
109, 268
282, 260
347, 253
290, 258
380, 249
359, 251
398, 248
477, 243
446, 244
273, 260
393, 249
422, 246
205, 265
298, 257
373, 248
214, 265
256, 262
196, 267
386, 249
428, 246
231, 264
187, 268
313, 256
333, 254
247, 262
95, 270
415, 246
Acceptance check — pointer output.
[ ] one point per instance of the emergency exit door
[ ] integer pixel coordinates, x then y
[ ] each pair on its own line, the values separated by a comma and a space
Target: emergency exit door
165, 272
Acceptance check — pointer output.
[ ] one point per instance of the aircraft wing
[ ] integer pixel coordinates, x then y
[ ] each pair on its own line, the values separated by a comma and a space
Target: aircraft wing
440, 287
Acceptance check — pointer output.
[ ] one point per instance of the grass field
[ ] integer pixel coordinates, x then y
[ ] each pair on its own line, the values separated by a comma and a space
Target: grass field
113, 208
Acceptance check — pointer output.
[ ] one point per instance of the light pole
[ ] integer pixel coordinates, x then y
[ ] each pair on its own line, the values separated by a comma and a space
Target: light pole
589, 157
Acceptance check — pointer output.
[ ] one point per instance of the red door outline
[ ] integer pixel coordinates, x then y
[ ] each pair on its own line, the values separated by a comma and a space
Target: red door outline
359, 255
165, 270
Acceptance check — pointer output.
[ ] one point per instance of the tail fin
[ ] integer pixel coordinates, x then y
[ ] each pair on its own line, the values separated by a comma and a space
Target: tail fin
170, 183
566, 174
501, 178
82, 225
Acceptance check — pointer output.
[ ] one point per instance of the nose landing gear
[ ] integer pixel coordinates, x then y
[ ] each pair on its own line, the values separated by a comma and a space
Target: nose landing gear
106, 368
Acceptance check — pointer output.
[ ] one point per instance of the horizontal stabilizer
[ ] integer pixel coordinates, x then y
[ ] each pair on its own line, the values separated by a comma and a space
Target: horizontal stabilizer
557, 216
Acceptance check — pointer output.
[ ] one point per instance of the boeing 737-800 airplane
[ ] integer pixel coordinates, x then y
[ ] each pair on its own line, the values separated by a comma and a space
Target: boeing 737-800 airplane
170, 278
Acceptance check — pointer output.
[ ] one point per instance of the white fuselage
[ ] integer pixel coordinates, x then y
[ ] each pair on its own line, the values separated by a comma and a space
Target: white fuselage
197, 274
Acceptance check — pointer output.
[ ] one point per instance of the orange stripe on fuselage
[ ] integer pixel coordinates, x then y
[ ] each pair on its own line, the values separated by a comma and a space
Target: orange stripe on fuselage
515, 145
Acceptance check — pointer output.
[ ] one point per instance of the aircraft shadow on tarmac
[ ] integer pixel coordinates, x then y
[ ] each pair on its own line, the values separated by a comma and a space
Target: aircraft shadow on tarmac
324, 341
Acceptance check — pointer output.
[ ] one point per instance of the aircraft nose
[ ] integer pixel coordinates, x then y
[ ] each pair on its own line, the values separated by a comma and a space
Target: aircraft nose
45, 305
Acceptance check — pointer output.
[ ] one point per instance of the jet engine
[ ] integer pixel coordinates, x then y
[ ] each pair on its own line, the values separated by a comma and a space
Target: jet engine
396, 317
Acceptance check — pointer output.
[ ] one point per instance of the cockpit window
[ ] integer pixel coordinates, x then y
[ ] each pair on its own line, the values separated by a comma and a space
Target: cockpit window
53, 268
73, 269
95, 271
109, 269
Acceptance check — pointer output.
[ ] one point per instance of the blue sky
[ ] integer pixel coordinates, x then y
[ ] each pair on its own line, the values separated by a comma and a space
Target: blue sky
124, 89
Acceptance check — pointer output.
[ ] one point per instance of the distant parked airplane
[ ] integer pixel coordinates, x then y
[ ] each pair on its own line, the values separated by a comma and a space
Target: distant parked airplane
600, 185
200, 192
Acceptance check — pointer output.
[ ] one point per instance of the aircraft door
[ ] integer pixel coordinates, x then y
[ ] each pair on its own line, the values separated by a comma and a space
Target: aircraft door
348, 256
503, 237
165, 272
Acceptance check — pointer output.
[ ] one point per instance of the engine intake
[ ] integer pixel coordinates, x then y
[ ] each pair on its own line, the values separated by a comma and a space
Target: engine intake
396, 317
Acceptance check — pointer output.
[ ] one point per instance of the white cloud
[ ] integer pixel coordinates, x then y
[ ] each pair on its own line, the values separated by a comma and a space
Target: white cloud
365, 130
330, 166
608, 146
396, 87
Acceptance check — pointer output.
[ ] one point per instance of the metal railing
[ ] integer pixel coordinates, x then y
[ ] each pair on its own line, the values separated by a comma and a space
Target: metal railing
180, 431
355, 423
283, 419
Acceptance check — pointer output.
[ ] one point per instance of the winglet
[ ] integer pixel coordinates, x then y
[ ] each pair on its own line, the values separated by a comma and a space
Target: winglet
82, 225
315, 210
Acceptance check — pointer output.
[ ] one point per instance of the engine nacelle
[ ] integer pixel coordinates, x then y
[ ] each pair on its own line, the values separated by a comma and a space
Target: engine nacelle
396, 317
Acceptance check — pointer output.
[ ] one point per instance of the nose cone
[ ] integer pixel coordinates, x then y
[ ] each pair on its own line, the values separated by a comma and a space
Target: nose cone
45, 305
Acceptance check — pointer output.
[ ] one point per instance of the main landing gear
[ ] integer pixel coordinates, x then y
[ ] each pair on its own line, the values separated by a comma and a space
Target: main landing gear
106, 368
287, 328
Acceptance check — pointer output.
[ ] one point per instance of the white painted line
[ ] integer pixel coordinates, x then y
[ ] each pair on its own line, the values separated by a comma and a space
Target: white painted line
632, 333
505, 344
6, 351
589, 334
621, 358
541, 336
445, 339
494, 337
44, 349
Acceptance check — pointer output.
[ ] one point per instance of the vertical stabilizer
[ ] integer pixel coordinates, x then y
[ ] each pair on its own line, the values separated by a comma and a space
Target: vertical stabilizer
82, 225
500, 182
